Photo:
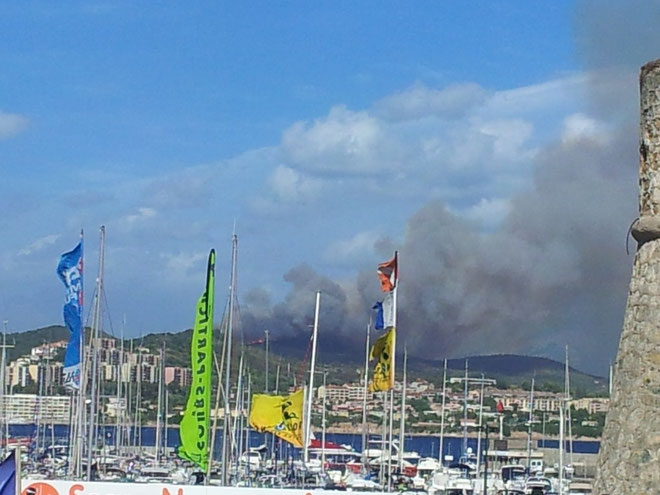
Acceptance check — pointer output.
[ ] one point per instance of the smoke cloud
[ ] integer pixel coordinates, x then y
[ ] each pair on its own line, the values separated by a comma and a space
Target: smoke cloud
554, 271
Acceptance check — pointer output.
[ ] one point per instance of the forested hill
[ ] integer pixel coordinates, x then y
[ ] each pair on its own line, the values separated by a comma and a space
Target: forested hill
343, 362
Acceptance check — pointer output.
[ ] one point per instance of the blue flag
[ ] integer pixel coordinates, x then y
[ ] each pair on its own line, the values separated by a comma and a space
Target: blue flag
70, 271
379, 324
8, 475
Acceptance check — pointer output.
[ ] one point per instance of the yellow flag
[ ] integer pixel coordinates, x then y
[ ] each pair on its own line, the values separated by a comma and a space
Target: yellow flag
382, 352
280, 415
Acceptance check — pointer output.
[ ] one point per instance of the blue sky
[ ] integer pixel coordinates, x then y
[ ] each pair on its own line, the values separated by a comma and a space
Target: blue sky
324, 131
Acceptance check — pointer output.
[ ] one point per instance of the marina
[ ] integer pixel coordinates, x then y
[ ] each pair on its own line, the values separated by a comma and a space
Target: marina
447, 281
267, 441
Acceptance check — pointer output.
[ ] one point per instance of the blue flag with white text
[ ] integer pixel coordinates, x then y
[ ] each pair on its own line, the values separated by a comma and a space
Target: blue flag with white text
8, 475
70, 271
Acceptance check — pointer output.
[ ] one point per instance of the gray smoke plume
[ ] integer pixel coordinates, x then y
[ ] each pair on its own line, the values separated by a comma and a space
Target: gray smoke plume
554, 273
295, 315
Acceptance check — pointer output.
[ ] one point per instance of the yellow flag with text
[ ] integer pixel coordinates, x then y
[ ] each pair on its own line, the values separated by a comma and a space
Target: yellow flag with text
382, 352
280, 415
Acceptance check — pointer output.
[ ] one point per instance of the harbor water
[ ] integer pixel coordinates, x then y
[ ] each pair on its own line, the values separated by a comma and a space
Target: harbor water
424, 445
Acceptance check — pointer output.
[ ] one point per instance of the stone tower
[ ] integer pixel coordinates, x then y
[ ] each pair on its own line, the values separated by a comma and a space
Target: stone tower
629, 461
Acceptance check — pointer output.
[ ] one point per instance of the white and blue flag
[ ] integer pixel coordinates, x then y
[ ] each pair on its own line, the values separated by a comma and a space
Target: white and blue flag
70, 271
384, 312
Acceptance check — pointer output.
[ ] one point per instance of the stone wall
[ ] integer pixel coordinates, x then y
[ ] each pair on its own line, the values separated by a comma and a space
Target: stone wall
629, 461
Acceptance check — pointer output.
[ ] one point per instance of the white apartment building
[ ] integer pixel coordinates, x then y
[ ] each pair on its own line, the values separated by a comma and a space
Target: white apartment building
47, 351
592, 404
27, 408
342, 393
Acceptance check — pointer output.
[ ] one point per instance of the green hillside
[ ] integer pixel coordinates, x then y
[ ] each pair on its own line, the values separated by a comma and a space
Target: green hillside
343, 363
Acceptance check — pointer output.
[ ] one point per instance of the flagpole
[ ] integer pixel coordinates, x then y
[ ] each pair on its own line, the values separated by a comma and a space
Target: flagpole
83, 370
395, 293
381, 472
365, 388
308, 418
393, 368
391, 440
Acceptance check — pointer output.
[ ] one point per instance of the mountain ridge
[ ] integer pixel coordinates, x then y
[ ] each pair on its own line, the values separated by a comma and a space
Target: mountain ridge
345, 361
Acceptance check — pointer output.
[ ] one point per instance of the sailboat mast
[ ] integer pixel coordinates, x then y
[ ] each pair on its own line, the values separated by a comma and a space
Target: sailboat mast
442, 412
529, 431
402, 422
3, 387
308, 414
266, 335
465, 409
94, 350
165, 422
214, 426
561, 450
230, 324
238, 411
481, 415
159, 404
325, 394
138, 402
567, 391
119, 408
247, 423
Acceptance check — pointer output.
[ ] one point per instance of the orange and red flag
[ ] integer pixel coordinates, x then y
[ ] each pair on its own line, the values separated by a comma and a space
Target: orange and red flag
388, 273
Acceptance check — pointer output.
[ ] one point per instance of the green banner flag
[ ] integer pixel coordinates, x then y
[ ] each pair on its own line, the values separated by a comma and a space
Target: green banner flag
194, 427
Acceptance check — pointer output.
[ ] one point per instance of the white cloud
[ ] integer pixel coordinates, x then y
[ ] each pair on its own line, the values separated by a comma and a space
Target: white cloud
344, 142
142, 214
445, 143
11, 124
561, 92
509, 137
356, 247
290, 185
39, 244
487, 214
420, 101
579, 126
180, 265
286, 187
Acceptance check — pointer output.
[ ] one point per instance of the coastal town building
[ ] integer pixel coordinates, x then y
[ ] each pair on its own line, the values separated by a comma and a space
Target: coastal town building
180, 376
342, 393
40, 368
26, 408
